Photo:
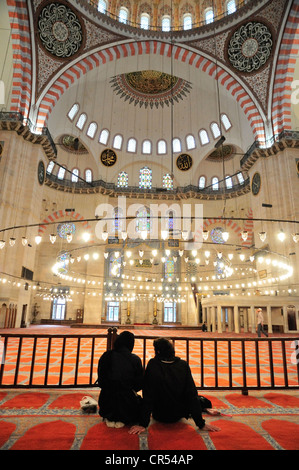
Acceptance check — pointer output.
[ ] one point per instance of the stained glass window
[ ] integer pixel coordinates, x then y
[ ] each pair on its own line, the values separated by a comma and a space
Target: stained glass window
145, 178
65, 229
167, 181
122, 180
216, 235
143, 220
169, 268
114, 266
119, 222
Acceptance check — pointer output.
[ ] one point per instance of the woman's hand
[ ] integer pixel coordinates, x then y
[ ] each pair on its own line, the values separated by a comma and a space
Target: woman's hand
136, 429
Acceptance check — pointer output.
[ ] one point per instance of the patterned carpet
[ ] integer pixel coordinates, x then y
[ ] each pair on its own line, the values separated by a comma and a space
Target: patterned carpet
52, 420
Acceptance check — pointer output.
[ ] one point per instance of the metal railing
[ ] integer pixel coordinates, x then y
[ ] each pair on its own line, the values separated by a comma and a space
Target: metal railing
70, 361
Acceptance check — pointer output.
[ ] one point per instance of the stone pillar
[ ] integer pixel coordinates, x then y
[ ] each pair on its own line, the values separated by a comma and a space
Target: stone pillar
245, 317
269, 319
219, 320
285, 319
253, 319
236, 319
213, 319
230, 319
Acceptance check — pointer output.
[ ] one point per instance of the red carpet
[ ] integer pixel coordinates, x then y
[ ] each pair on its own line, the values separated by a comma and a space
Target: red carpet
178, 436
99, 437
284, 432
237, 436
56, 435
54, 421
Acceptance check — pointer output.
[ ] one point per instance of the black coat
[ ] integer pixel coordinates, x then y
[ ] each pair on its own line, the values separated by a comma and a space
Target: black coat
120, 376
169, 393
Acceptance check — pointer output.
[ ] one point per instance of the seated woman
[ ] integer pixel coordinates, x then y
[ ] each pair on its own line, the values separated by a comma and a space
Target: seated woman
120, 375
169, 391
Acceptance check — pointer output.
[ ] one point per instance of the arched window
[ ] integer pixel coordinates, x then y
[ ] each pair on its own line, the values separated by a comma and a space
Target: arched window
123, 15
226, 122
145, 178
61, 173
92, 129
176, 145
215, 183
73, 111
117, 141
122, 180
190, 142
143, 220
144, 21
50, 167
240, 177
104, 135
161, 147
81, 121
204, 138
132, 145
209, 15
75, 174
228, 182
166, 23
215, 130
147, 147
187, 21
88, 176
202, 182
231, 7
167, 181
102, 6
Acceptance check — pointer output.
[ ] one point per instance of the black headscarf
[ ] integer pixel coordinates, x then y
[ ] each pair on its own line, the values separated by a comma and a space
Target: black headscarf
125, 340
164, 349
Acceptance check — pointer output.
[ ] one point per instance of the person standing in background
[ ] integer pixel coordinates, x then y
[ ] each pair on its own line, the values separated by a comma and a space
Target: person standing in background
260, 323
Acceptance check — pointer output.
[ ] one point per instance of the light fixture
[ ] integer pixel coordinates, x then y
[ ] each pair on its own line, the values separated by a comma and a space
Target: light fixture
281, 236
220, 142
52, 238
143, 234
185, 235
24, 241
124, 235
95, 256
69, 237
205, 234
12, 241
2, 244
230, 256
225, 236
86, 236
263, 236
295, 237
244, 235
104, 236
242, 257
38, 239
164, 234
106, 255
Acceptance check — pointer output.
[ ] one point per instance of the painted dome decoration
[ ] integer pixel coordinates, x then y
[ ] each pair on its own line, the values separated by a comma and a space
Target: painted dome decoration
150, 88
59, 30
250, 47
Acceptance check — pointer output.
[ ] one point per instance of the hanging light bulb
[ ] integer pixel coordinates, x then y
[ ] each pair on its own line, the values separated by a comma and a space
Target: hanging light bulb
181, 252
244, 235
24, 241
230, 256
205, 234
242, 257
251, 258
164, 234
52, 238
141, 253
12, 241
124, 235
38, 239
2, 244
263, 236
104, 235
281, 236
219, 255
69, 237
295, 237
225, 236
106, 255
143, 234
207, 254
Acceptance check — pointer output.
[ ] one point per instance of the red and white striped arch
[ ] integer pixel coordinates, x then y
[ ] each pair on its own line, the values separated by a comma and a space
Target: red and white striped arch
285, 69
22, 56
83, 66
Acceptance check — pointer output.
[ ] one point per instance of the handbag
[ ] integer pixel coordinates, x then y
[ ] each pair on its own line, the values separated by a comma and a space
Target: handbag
88, 404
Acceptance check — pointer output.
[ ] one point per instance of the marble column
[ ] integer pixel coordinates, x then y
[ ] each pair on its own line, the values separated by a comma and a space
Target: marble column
236, 319
285, 319
269, 319
253, 319
213, 319
219, 320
